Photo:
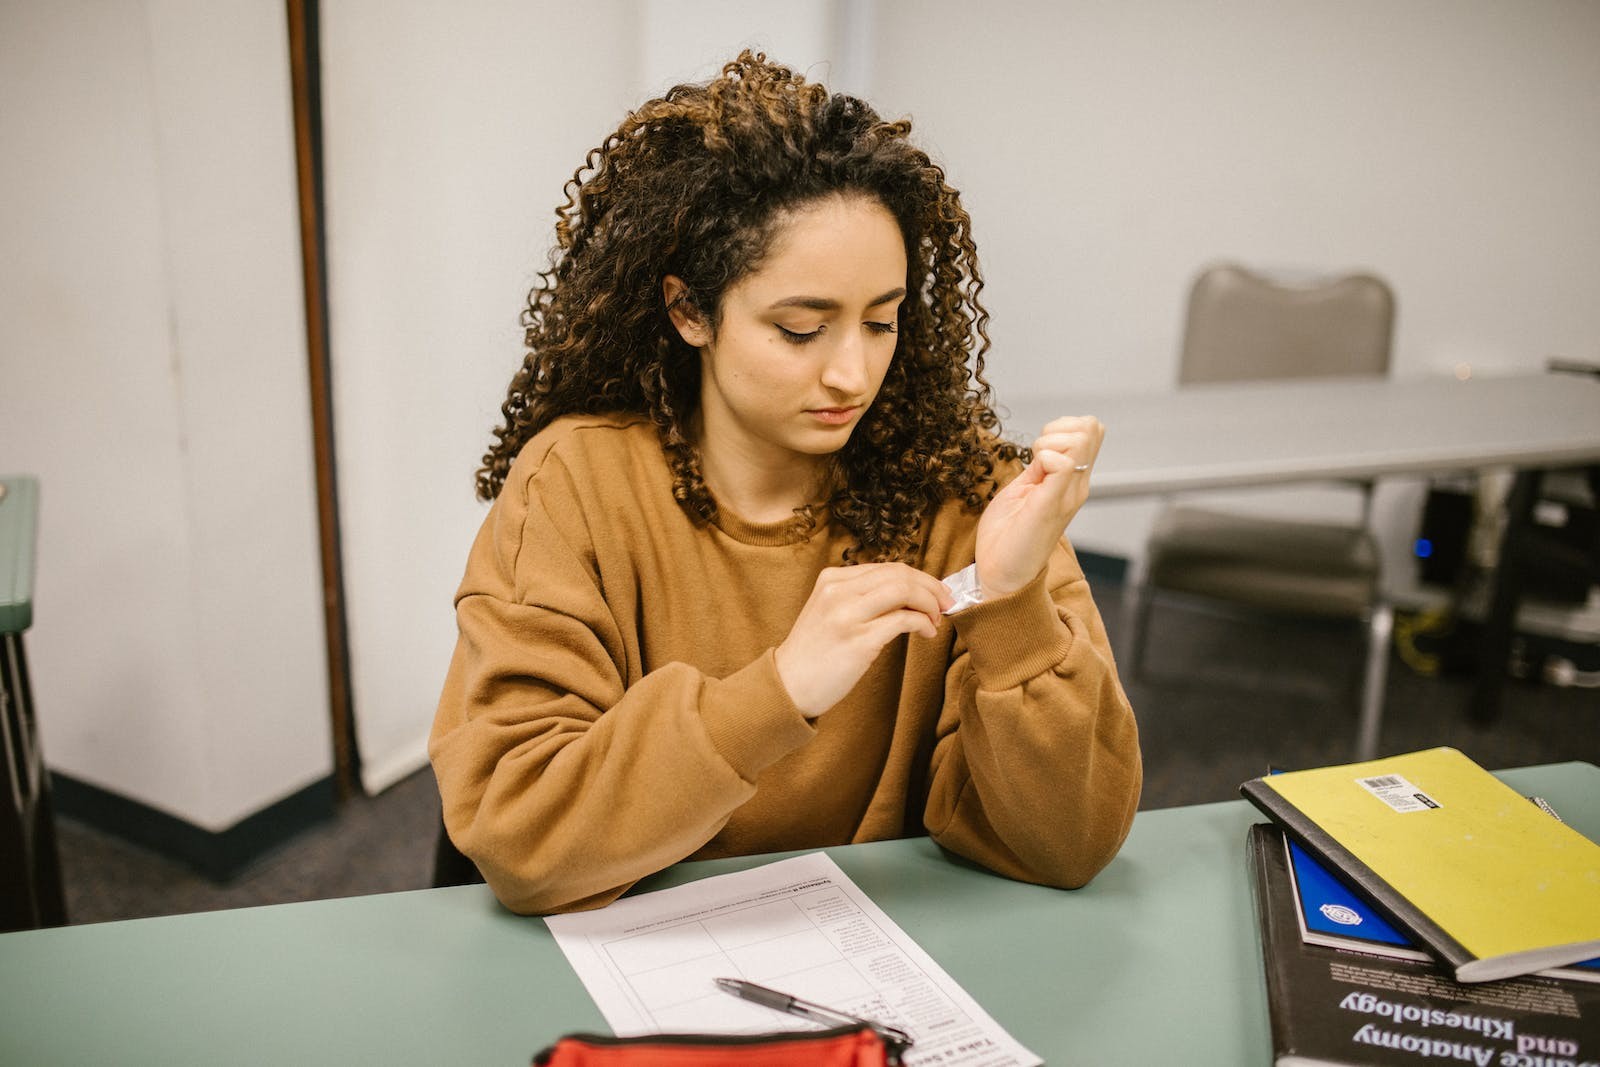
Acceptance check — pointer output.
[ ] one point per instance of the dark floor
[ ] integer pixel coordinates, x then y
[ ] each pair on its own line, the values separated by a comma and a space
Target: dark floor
1222, 700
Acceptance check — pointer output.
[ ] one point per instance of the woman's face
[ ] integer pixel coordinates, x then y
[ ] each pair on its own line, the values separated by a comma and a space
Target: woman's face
805, 340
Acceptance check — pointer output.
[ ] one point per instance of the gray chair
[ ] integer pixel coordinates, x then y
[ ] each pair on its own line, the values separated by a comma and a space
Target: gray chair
450, 865
1245, 325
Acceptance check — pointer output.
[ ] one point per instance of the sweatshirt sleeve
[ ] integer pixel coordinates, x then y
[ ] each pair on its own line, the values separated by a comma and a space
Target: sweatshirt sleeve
561, 781
1036, 769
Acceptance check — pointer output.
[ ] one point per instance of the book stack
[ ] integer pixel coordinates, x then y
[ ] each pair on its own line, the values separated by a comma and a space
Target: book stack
1415, 909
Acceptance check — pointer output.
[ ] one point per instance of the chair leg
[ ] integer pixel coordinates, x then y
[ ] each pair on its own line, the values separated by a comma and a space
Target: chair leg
1137, 604
1380, 625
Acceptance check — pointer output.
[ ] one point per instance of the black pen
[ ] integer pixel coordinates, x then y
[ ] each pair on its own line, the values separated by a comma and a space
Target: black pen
805, 1009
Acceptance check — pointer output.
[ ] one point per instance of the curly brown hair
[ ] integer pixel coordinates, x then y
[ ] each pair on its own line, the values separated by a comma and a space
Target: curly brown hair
695, 184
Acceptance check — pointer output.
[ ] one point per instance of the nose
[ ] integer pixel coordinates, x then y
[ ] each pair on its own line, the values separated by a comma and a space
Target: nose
845, 372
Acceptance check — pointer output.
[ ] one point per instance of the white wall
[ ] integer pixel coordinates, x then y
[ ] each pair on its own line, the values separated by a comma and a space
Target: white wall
449, 131
152, 373
690, 40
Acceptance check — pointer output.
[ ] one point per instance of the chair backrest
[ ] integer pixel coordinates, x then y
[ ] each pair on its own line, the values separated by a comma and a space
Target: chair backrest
1244, 325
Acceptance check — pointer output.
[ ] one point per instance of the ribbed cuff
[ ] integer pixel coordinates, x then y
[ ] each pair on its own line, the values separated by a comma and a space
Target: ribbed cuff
1014, 638
751, 720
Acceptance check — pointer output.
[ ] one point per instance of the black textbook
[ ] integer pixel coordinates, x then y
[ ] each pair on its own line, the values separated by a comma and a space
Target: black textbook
1342, 1007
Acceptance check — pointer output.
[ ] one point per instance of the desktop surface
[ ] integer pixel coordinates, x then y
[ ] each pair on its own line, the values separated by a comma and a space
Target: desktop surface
1229, 434
1155, 961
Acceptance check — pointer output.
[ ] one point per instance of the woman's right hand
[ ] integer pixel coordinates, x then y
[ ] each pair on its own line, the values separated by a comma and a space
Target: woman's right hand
851, 614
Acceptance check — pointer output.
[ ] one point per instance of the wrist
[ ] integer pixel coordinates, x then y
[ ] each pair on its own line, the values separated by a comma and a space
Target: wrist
803, 701
992, 592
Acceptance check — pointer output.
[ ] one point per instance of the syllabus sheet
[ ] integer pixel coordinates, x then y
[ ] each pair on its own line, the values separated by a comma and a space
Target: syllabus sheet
797, 925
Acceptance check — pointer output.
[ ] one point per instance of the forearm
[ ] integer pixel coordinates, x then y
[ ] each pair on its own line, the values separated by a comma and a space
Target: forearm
1036, 771
564, 805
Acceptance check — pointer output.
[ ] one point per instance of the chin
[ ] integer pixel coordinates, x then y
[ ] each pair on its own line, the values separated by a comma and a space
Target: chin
825, 441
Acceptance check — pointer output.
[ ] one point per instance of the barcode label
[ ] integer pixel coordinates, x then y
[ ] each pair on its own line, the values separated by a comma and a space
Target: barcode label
1398, 793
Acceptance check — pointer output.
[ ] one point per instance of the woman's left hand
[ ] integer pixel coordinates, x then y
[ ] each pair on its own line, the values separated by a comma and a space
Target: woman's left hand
1024, 521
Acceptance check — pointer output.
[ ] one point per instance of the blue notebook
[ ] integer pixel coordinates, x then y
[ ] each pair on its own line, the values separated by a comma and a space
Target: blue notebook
1331, 914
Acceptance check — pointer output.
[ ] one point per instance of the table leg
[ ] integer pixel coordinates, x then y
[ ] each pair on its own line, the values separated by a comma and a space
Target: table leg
33, 897
1499, 626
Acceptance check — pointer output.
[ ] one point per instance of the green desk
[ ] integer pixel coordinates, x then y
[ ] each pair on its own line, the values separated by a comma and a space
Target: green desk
1155, 962
30, 876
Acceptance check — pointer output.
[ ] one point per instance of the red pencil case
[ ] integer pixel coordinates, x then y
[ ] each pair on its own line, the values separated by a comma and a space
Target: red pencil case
853, 1046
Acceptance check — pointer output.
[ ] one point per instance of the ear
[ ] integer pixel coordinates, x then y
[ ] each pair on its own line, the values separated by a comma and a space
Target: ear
686, 318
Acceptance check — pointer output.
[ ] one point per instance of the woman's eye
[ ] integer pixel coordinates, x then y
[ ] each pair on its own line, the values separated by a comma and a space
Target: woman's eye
795, 337
883, 327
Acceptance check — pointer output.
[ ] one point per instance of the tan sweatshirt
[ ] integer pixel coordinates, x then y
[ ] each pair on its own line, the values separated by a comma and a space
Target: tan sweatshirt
613, 705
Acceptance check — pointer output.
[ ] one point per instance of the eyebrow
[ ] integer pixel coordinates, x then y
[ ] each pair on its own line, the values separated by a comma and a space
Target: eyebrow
822, 303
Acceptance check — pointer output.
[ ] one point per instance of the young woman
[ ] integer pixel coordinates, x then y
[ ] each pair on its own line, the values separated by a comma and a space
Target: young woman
705, 616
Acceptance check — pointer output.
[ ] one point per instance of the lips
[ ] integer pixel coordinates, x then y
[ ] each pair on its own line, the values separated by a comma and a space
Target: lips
834, 416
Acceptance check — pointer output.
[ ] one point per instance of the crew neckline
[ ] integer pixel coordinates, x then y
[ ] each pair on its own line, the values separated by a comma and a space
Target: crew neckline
779, 532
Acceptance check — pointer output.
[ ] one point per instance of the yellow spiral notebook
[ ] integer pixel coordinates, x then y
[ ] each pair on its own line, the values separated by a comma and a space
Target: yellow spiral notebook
1486, 881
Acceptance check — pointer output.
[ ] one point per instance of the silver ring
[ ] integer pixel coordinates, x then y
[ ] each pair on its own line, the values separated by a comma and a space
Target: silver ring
1081, 467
